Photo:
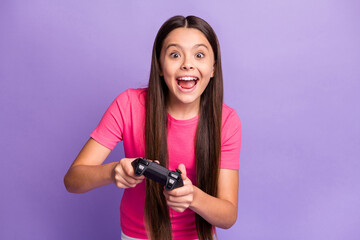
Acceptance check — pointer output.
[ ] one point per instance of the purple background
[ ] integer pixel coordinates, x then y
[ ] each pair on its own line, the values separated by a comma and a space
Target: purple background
291, 70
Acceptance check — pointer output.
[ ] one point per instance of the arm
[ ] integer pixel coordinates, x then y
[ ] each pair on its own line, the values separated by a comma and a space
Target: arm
220, 211
87, 171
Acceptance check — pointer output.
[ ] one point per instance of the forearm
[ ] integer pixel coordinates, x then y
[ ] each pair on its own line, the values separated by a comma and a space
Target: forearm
83, 178
218, 212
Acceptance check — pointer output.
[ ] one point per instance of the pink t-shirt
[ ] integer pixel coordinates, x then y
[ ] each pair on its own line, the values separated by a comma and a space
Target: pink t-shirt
124, 121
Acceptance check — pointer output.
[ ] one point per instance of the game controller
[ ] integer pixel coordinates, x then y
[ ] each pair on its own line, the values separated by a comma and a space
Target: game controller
158, 173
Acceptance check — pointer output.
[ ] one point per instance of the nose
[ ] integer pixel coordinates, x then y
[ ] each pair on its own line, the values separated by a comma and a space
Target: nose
187, 64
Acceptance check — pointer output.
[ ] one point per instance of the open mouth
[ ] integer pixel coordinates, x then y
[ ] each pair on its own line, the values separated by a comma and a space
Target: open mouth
187, 82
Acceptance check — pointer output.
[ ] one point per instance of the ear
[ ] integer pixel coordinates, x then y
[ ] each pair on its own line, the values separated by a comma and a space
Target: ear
213, 70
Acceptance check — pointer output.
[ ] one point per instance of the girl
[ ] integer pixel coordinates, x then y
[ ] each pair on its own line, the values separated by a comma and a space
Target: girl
181, 122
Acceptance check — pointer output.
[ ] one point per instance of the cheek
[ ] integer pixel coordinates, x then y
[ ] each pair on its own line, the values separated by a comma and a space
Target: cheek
208, 71
167, 68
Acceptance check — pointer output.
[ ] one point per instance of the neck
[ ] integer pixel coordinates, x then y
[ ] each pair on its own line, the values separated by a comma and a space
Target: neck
183, 111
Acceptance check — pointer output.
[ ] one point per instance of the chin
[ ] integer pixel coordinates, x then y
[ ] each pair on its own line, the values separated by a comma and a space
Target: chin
187, 100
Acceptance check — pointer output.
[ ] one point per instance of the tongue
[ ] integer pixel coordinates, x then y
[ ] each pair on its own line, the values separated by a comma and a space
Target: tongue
187, 84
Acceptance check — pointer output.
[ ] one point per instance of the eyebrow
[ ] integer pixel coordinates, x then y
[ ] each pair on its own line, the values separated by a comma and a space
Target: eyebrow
178, 46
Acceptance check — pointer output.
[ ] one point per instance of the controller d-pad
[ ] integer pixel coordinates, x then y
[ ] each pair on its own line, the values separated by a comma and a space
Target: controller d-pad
140, 168
170, 183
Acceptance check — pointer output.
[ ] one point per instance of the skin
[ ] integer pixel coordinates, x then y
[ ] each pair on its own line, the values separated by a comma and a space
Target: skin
185, 51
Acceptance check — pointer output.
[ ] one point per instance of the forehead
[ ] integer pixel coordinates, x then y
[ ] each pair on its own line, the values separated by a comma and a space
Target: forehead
186, 37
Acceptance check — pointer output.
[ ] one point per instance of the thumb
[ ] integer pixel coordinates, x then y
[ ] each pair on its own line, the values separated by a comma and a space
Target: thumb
182, 168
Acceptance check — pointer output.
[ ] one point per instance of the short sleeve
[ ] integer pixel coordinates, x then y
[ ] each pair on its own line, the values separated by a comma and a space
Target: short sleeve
230, 141
110, 129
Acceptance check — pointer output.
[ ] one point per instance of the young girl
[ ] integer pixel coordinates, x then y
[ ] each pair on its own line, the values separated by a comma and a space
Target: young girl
179, 121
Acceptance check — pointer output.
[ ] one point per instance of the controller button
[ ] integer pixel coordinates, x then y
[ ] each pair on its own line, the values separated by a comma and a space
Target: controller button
173, 175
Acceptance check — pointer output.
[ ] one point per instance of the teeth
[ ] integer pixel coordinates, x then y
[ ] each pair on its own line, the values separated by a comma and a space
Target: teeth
187, 78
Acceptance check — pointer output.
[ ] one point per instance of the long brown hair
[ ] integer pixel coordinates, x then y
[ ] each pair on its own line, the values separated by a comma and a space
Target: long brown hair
208, 133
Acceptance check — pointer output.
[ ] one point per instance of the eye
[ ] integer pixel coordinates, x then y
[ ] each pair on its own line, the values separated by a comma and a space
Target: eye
200, 55
174, 55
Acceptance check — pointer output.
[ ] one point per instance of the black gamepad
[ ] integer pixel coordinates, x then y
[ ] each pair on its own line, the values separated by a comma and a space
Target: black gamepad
158, 173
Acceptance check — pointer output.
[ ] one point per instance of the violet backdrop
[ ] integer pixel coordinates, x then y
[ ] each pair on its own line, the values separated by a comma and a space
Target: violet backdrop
291, 71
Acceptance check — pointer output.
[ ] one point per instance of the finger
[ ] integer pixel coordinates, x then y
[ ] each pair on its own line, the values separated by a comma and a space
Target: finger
129, 171
180, 210
133, 181
125, 183
140, 178
182, 168
185, 200
123, 177
120, 183
177, 207
176, 204
179, 192
129, 180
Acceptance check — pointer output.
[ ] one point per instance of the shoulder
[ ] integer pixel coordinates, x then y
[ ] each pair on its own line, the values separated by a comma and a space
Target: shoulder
230, 139
132, 96
231, 125
230, 117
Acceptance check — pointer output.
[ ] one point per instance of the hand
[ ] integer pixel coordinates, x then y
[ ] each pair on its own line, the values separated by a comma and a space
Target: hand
180, 199
124, 175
